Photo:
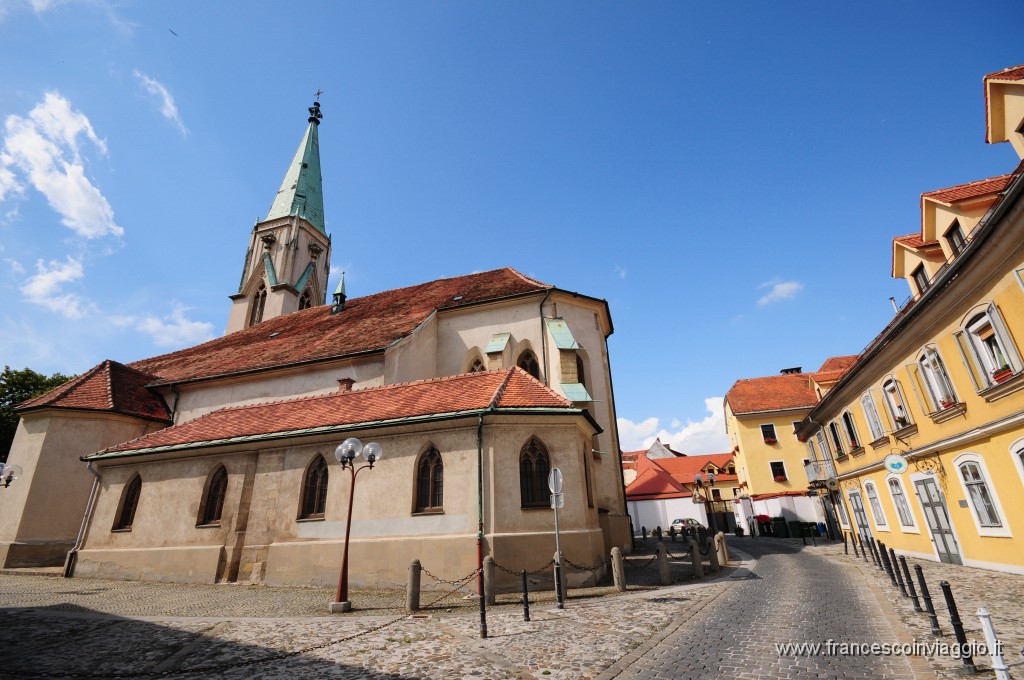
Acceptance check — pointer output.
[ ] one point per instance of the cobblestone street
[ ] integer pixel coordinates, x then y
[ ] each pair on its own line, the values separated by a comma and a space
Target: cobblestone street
729, 626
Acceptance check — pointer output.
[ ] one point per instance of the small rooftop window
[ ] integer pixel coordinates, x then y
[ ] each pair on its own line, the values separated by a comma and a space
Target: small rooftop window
457, 298
274, 334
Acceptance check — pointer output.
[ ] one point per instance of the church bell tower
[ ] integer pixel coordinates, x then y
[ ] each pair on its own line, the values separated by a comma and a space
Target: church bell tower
288, 261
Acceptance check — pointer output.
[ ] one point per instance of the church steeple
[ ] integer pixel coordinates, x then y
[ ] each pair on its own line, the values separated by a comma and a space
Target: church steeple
301, 191
283, 270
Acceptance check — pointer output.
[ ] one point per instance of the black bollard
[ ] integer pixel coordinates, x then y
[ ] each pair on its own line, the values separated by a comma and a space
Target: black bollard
559, 597
896, 569
643, 532
958, 628
863, 548
874, 553
846, 547
885, 562
936, 631
910, 584
526, 598
853, 539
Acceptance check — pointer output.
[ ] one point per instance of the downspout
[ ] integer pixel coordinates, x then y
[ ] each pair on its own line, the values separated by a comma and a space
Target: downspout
174, 406
544, 338
72, 556
480, 519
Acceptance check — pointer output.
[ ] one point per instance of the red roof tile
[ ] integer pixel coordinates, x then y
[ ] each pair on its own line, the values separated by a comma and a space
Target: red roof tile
838, 363
962, 192
684, 468
1011, 73
109, 386
507, 389
653, 484
915, 241
771, 393
366, 324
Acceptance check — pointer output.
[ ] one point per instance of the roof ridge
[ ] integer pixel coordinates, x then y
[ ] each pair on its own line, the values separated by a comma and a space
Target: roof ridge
500, 392
68, 388
528, 279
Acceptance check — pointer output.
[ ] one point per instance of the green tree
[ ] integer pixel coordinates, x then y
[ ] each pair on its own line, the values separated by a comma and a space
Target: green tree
16, 387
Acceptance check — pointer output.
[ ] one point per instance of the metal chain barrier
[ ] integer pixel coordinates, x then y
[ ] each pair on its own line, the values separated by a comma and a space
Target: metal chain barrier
458, 587
550, 563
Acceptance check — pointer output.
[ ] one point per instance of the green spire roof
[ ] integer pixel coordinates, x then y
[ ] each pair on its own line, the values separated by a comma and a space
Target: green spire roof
301, 192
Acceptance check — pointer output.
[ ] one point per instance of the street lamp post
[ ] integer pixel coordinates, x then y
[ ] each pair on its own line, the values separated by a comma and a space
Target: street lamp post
8, 473
346, 453
698, 480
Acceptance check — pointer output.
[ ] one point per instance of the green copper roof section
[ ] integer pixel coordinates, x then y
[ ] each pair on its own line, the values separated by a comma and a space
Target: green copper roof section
561, 334
498, 342
301, 191
576, 392
268, 266
304, 279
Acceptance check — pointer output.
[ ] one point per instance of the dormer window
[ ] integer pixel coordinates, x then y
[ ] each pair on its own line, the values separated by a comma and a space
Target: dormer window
920, 277
955, 238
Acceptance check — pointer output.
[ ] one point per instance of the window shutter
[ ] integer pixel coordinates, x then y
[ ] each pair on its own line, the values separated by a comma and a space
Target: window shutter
1005, 337
924, 397
966, 349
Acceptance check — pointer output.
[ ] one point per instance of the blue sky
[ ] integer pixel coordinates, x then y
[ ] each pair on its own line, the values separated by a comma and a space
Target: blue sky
727, 175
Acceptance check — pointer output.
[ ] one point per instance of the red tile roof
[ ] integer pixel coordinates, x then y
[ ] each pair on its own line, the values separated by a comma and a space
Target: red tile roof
962, 192
683, 469
670, 477
771, 393
915, 241
1011, 73
366, 324
833, 369
653, 484
109, 386
507, 389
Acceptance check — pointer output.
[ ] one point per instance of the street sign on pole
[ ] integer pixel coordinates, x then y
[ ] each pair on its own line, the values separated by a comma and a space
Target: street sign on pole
555, 480
557, 501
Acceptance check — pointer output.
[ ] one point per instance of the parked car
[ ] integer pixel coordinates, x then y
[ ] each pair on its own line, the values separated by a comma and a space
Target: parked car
688, 523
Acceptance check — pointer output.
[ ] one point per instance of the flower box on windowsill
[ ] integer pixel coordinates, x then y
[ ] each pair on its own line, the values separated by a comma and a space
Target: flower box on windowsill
780, 478
771, 441
1004, 373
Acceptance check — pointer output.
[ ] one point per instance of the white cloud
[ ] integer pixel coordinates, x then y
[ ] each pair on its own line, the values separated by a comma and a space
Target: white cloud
46, 288
14, 266
44, 149
174, 329
694, 438
779, 290
620, 272
167, 107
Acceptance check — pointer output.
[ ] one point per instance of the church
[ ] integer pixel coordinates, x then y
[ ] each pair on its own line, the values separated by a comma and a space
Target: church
215, 463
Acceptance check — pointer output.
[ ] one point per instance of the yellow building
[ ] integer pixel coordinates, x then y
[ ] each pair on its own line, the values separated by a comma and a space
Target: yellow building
761, 416
923, 437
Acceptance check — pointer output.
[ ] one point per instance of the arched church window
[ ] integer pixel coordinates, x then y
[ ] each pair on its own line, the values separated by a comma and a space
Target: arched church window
259, 301
580, 375
528, 362
129, 503
430, 482
314, 490
477, 366
533, 475
305, 300
213, 501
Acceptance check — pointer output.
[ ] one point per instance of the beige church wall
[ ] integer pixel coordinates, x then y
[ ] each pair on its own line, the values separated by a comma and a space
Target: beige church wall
201, 398
413, 358
41, 512
178, 564
460, 331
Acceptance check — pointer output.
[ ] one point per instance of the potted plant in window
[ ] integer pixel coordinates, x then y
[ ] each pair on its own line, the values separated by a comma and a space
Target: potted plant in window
771, 441
947, 403
901, 421
1002, 373
780, 478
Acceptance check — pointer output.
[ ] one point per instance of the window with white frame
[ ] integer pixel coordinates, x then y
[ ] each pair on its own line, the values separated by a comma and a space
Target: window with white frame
850, 429
876, 506
778, 469
938, 386
987, 348
841, 507
796, 426
895, 403
955, 238
979, 494
835, 439
768, 433
867, 404
899, 500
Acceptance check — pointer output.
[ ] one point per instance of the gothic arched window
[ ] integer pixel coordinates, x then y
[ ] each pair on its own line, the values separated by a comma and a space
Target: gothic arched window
213, 501
477, 366
129, 503
305, 300
528, 362
314, 490
430, 482
580, 376
533, 475
259, 301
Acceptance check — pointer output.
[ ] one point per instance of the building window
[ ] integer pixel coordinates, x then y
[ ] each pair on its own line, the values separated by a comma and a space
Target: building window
580, 373
837, 441
528, 362
768, 434
129, 503
955, 238
938, 386
716, 494
305, 300
979, 494
314, 490
477, 366
920, 277
850, 430
896, 404
430, 482
867, 404
993, 356
259, 301
876, 506
778, 469
533, 475
899, 499
213, 501
841, 507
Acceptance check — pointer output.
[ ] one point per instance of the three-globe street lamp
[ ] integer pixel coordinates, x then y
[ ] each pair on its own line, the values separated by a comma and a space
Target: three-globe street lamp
698, 480
8, 473
346, 453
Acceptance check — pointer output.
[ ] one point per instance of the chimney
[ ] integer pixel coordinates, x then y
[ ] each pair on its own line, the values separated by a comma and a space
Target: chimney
345, 384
